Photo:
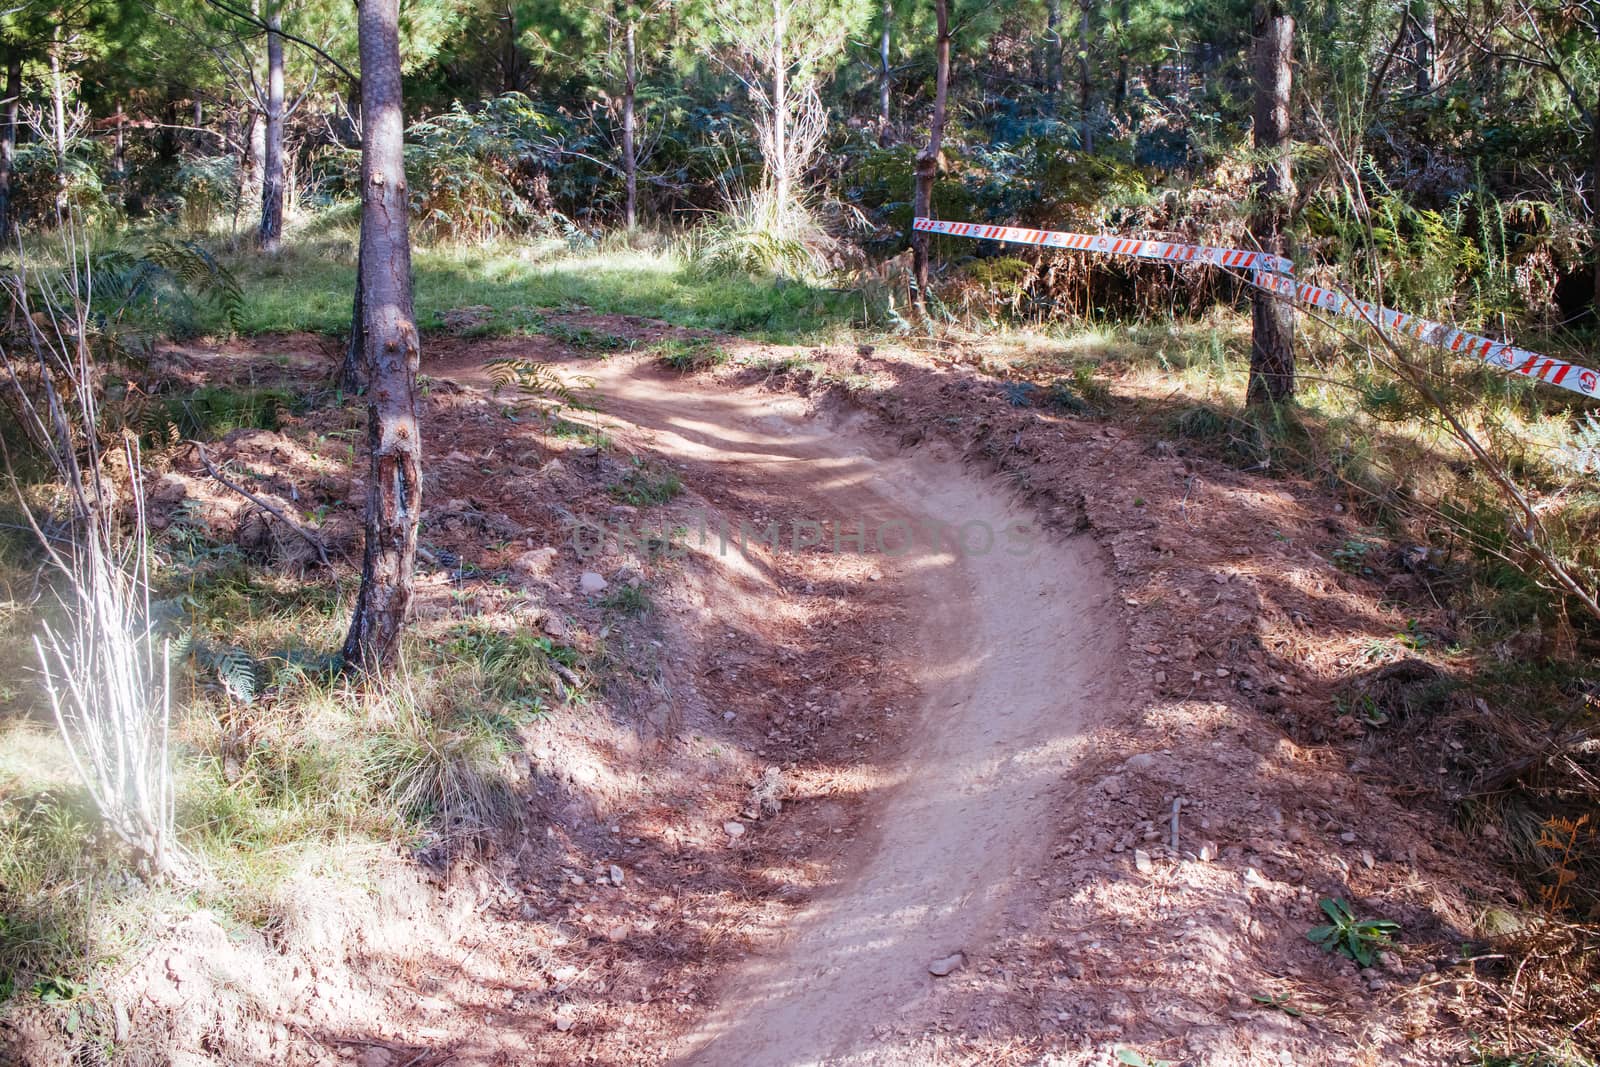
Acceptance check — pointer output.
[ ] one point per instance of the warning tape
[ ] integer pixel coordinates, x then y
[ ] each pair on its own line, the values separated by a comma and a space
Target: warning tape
1274, 274
1120, 246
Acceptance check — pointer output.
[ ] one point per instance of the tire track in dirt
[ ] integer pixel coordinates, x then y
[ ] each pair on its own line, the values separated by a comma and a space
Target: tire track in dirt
1013, 652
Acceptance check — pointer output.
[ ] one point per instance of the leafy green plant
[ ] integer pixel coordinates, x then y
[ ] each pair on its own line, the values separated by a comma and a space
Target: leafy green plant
693, 354
1132, 1057
629, 600
1279, 1002
1359, 939
643, 485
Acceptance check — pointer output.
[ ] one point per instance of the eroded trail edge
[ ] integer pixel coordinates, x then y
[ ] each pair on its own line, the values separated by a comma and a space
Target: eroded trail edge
1010, 639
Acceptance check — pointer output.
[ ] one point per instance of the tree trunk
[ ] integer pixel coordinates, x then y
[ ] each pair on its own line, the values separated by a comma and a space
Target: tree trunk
1272, 318
1085, 29
1121, 93
1594, 198
58, 132
390, 349
119, 155
885, 137
927, 166
271, 236
352, 376
8, 144
1425, 45
630, 162
780, 102
1052, 60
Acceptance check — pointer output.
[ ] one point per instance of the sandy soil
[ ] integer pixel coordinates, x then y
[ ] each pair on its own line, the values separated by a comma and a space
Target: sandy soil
1012, 651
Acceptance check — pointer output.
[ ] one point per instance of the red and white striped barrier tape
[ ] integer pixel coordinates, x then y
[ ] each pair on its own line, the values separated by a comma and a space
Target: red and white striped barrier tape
1120, 246
1274, 274
1498, 354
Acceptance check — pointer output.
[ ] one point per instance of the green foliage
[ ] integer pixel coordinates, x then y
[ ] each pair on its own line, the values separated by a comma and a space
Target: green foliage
686, 355
480, 173
207, 186
153, 288
1359, 939
631, 600
213, 411
646, 486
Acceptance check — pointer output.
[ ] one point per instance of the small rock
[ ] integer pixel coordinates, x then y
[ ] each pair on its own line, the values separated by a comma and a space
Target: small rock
564, 1023
536, 562
1348, 837
592, 584
616, 875
553, 626
940, 968
553, 467
618, 932
728, 716
733, 829
1208, 852
1390, 962
1142, 860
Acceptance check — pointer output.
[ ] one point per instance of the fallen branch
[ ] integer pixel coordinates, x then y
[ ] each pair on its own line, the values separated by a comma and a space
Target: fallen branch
310, 539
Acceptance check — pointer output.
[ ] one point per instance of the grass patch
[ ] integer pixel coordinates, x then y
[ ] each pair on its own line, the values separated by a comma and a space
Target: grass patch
645, 485
309, 285
692, 354
212, 411
630, 600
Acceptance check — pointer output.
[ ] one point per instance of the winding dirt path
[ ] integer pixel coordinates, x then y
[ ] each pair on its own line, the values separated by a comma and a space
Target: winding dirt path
1013, 653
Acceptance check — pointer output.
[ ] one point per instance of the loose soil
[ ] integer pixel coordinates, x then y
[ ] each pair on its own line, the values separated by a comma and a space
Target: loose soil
1077, 792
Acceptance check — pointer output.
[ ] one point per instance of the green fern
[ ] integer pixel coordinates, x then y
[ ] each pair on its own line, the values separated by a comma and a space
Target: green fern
136, 284
1582, 453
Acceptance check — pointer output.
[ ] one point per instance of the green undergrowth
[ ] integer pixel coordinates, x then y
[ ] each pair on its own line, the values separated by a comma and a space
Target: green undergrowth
281, 765
309, 285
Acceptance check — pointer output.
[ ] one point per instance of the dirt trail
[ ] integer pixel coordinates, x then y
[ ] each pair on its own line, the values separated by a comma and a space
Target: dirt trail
1013, 652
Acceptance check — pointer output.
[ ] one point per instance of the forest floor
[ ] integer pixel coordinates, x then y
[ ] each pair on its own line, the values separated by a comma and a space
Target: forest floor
1057, 760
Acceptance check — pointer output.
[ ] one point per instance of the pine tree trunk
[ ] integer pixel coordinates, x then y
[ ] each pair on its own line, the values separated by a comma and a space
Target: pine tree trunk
1121, 93
1085, 85
780, 103
352, 376
885, 136
630, 163
1272, 319
271, 236
1425, 46
119, 155
390, 351
8, 145
1052, 63
927, 165
58, 132
1594, 198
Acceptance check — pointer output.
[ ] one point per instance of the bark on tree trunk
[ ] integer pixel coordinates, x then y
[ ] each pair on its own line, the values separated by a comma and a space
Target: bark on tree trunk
927, 166
1594, 199
1052, 63
630, 163
1121, 92
1085, 85
390, 348
780, 102
885, 137
119, 155
8, 144
58, 132
271, 236
1425, 46
352, 373
1272, 319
